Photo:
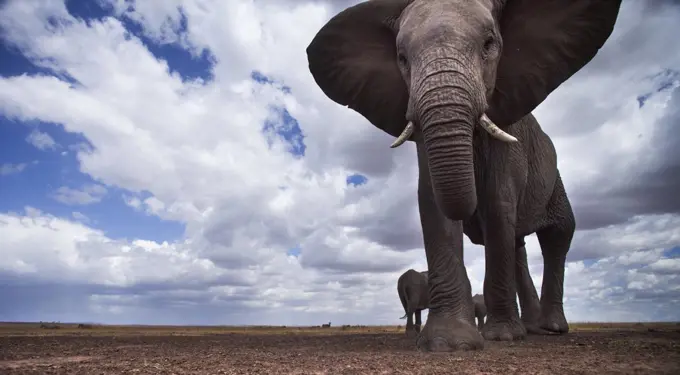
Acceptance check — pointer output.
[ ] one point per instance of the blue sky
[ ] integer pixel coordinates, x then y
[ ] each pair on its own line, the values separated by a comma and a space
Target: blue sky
166, 164
55, 165
47, 169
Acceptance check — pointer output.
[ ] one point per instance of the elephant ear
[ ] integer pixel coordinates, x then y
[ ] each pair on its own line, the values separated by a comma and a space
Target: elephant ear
544, 43
353, 59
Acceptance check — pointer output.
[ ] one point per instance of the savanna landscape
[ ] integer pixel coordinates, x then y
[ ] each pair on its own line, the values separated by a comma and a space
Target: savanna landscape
589, 348
282, 162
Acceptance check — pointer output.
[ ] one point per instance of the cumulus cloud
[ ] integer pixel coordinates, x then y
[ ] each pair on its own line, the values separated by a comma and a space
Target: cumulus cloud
618, 289
41, 140
221, 155
121, 276
88, 194
614, 122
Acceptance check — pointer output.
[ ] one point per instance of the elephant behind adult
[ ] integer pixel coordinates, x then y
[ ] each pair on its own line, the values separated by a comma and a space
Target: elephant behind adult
414, 294
480, 310
447, 69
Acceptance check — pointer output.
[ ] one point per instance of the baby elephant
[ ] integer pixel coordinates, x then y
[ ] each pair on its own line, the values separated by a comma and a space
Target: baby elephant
414, 294
480, 310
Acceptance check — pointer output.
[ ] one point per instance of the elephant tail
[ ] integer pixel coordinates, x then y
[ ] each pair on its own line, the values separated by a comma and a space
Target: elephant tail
403, 317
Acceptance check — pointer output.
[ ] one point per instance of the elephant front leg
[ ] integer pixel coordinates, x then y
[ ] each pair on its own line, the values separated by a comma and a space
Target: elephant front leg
450, 324
502, 322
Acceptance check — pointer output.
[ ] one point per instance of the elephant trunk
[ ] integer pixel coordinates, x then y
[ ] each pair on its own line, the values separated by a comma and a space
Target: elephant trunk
447, 115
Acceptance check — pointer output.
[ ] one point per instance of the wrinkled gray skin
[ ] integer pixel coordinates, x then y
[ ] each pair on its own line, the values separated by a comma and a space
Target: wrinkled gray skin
414, 294
442, 64
480, 310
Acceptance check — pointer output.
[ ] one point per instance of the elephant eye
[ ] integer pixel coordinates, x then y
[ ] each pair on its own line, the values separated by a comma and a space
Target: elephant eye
402, 60
488, 44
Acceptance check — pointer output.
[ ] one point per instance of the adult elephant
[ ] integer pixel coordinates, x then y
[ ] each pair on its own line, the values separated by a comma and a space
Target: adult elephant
443, 68
414, 294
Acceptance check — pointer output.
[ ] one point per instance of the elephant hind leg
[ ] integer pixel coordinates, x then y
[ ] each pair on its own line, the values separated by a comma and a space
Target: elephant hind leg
411, 329
418, 321
529, 302
555, 240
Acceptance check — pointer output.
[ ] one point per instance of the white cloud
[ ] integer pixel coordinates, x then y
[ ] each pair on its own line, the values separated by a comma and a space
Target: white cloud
81, 217
9, 168
88, 194
41, 247
41, 140
197, 152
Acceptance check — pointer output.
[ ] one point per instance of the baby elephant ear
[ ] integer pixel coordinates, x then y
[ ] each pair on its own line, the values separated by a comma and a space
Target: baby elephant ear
544, 43
353, 59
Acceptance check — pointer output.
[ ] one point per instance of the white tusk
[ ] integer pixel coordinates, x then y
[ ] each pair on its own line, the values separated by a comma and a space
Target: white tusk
406, 134
494, 130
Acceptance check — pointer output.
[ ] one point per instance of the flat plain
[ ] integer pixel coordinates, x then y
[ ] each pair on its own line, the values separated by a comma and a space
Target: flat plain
589, 348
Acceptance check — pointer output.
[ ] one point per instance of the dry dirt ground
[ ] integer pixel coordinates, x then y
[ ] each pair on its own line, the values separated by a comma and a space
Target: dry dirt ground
636, 349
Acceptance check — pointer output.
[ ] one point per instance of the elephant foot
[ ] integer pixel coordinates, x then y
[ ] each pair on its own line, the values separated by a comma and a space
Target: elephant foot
448, 334
553, 320
412, 332
533, 327
532, 324
503, 330
531, 318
